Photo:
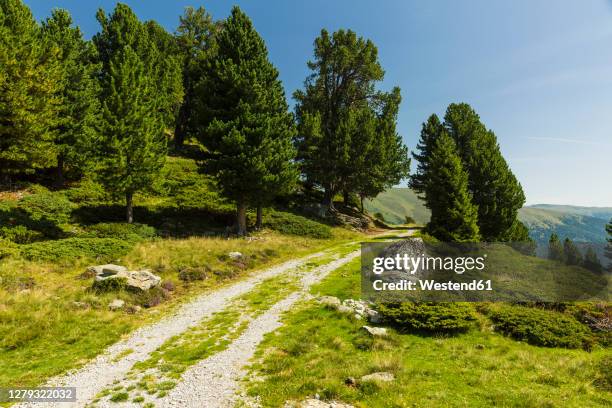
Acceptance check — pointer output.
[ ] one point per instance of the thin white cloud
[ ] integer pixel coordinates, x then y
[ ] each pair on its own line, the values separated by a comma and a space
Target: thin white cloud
566, 140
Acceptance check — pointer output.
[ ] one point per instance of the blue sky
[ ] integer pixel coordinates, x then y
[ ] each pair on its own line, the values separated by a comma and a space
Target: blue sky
538, 72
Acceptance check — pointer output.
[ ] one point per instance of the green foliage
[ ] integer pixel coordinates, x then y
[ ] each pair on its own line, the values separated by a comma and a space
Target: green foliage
195, 273
195, 40
571, 253
70, 249
292, 224
109, 285
127, 232
7, 248
347, 134
20, 234
45, 205
555, 250
86, 192
540, 327
609, 239
453, 216
591, 261
29, 81
78, 91
429, 317
246, 125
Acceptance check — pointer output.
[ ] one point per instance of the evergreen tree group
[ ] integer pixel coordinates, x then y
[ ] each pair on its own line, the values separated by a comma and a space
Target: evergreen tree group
492, 189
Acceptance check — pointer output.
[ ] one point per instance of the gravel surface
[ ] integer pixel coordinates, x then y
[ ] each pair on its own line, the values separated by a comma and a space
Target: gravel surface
104, 369
215, 381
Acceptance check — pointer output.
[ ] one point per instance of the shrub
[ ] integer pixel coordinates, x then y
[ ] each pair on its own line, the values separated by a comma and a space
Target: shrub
109, 285
7, 248
100, 249
409, 220
539, 327
190, 274
379, 216
87, 192
292, 224
45, 205
118, 230
151, 297
429, 317
20, 234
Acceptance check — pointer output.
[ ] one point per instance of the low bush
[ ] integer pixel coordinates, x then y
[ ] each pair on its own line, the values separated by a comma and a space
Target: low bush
292, 224
87, 192
118, 230
109, 285
20, 234
540, 327
100, 249
8, 248
46, 205
429, 317
191, 274
151, 297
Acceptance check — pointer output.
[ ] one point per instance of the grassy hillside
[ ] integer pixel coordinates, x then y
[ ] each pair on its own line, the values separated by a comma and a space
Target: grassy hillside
397, 203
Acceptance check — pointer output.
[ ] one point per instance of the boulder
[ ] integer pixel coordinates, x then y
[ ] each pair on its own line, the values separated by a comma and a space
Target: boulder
344, 309
373, 316
378, 377
316, 403
330, 301
375, 331
116, 304
142, 280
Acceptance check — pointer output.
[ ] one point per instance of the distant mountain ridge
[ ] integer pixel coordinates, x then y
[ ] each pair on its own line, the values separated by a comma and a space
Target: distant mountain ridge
581, 224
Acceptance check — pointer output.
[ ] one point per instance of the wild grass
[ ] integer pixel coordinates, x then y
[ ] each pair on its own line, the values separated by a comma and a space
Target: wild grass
44, 333
317, 349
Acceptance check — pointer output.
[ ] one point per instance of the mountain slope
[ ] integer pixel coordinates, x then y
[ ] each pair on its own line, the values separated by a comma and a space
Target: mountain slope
397, 203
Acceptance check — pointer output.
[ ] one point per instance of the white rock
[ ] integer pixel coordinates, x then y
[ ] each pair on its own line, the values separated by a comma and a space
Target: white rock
373, 316
317, 403
375, 331
330, 301
116, 304
234, 256
378, 377
143, 279
344, 309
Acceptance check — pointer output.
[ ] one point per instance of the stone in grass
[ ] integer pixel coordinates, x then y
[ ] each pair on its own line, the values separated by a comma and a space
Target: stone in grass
381, 376
344, 309
373, 316
235, 256
330, 301
375, 331
141, 280
116, 304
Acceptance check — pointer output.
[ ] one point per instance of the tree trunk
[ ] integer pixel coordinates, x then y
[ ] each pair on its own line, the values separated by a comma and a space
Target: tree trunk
361, 198
259, 222
129, 207
241, 218
345, 198
328, 199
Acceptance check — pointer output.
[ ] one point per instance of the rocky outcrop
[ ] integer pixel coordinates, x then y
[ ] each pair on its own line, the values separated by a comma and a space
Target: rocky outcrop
137, 280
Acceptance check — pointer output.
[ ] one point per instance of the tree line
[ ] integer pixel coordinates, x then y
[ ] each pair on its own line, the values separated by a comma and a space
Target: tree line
111, 106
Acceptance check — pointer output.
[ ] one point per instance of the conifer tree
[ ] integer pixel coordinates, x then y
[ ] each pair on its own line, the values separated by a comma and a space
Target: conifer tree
133, 146
154, 47
195, 40
79, 108
555, 249
571, 253
608, 250
494, 188
29, 99
591, 261
430, 131
453, 216
345, 70
249, 132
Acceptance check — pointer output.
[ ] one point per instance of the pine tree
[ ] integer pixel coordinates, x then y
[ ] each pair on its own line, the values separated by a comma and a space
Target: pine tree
555, 250
133, 146
195, 39
495, 190
344, 72
571, 253
79, 108
591, 261
249, 139
453, 216
430, 131
155, 48
29, 99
